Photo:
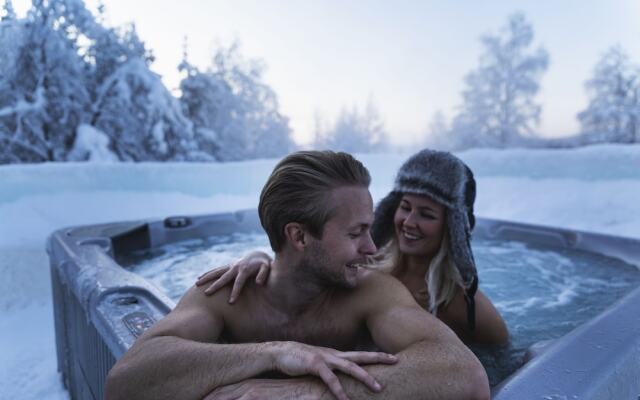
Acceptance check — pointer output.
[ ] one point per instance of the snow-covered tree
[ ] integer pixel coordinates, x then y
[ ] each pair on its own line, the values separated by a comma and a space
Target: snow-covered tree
141, 117
613, 113
130, 104
11, 38
44, 76
64, 74
498, 102
8, 13
235, 114
354, 131
61, 68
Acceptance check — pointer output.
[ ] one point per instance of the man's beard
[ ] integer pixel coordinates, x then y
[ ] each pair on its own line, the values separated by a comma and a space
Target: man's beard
318, 267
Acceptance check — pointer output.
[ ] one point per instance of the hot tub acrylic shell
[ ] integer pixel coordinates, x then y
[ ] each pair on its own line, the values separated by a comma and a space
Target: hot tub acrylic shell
100, 308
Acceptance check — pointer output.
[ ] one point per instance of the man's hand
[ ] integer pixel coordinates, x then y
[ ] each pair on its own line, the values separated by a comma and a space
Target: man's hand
297, 359
268, 389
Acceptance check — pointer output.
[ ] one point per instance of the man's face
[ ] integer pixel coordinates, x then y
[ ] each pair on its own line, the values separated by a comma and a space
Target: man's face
346, 239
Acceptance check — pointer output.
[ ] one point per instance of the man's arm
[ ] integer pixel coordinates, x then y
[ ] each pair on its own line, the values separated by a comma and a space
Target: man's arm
178, 358
432, 362
175, 359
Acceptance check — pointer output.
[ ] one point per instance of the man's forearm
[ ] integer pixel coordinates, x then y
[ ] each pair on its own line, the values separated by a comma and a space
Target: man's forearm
174, 368
424, 370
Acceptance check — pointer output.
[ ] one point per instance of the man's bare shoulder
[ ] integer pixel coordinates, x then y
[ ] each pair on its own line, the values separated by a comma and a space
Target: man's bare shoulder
195, 297
218, 302
370, 278
196, 316
392, 315
379, 287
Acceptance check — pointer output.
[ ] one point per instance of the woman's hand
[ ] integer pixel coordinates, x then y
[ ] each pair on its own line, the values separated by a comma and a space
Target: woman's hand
255, 263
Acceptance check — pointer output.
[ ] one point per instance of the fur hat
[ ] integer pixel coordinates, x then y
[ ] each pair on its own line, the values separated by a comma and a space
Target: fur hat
447, 180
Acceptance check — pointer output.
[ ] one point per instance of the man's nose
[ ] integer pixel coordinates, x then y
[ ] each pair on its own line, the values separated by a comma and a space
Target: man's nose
368, 247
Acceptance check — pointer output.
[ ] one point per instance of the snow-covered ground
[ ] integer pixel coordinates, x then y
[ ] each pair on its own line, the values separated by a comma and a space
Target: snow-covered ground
593, 189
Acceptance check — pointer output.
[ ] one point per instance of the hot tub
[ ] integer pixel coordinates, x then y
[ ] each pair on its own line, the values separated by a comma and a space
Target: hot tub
101, 307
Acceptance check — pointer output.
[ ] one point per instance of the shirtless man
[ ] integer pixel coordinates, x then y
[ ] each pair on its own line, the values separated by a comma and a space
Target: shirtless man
317, 307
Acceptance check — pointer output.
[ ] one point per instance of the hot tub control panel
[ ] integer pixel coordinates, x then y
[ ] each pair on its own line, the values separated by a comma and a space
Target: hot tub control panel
138, 322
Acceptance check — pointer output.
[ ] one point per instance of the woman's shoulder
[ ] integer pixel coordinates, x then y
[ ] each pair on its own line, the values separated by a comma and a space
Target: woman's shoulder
490, 327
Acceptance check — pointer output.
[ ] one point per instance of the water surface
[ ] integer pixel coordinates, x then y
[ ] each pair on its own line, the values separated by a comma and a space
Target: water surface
541, 292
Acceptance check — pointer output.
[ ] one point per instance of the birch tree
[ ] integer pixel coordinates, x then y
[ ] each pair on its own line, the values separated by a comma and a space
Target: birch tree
498, 104
613, 113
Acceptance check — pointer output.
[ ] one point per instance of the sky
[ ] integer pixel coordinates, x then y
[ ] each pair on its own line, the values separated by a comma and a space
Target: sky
408, 57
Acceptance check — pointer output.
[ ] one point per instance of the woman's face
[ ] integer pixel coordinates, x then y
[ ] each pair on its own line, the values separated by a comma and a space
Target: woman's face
419, 225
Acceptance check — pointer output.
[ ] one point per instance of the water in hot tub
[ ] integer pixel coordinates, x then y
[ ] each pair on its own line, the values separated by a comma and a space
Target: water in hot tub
541, 292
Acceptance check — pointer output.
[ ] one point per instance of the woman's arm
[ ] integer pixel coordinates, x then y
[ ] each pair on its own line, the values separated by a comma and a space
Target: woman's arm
490, 327
255, 263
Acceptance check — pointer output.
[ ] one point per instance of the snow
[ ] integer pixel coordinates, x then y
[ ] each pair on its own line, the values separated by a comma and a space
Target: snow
92, 145
23, 106
594, 189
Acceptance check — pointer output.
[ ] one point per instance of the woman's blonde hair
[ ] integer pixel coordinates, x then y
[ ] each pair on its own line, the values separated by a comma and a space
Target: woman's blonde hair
442, 277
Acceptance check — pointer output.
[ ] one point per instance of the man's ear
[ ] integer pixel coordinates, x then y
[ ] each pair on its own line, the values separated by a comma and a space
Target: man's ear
296, 235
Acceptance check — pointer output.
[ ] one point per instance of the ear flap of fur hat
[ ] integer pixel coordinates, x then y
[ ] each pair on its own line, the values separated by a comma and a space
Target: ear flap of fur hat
470, 196
460, 246
460, 251
383, 229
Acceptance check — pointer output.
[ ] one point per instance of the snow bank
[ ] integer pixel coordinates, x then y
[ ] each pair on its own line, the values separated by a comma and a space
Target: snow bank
591, 163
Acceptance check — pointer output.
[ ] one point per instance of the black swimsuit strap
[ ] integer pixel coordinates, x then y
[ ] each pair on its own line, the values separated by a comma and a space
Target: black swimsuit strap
469, 295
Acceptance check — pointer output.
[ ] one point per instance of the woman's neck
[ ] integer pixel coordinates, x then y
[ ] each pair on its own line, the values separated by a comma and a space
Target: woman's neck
414, 266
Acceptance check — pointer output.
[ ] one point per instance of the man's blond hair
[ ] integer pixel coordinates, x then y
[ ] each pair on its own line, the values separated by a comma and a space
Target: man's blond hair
299, 190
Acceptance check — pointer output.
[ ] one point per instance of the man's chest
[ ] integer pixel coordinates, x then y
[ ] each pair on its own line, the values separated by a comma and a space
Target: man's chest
338, 329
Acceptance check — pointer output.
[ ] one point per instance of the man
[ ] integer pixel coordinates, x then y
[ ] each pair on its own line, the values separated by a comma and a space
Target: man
317, 307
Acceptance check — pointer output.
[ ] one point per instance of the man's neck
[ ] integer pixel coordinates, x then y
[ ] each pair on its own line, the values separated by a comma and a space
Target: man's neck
291, 290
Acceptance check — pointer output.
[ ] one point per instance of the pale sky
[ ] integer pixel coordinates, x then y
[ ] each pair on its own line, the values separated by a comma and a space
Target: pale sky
409, 57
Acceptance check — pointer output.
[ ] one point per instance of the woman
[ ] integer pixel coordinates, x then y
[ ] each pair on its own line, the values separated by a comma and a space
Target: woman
422, 229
